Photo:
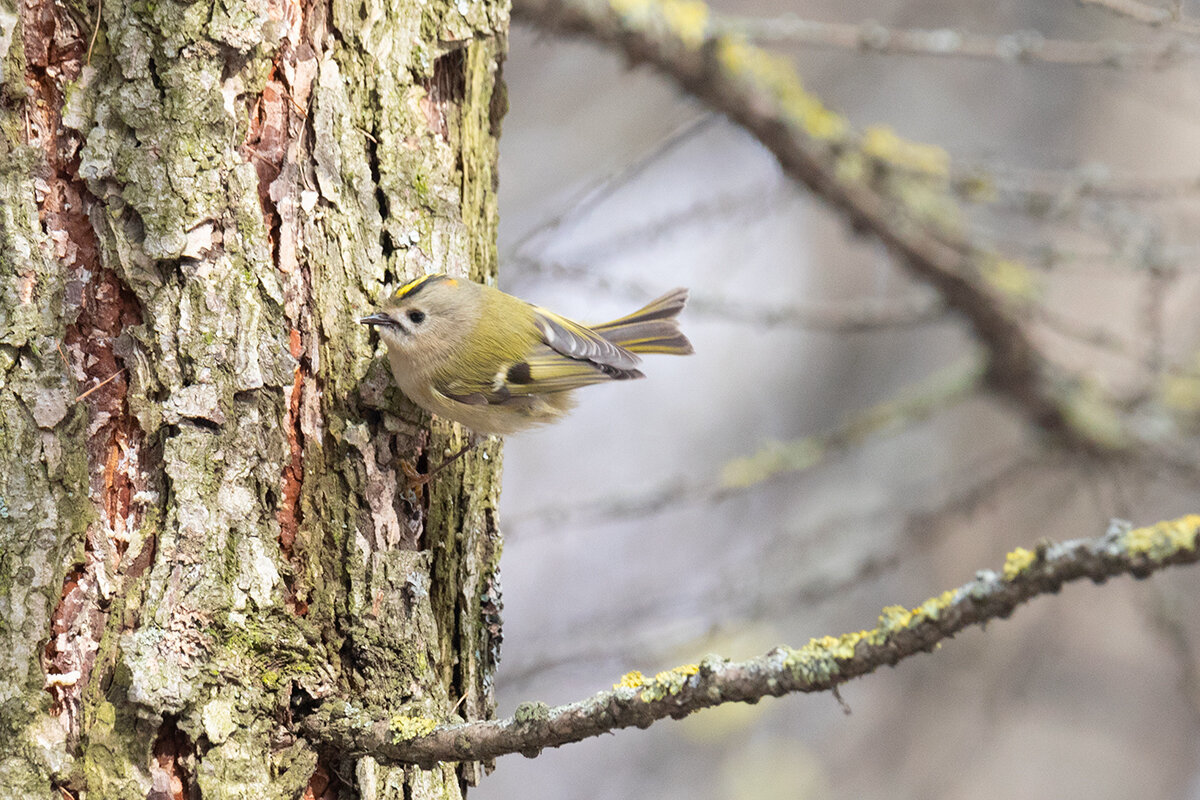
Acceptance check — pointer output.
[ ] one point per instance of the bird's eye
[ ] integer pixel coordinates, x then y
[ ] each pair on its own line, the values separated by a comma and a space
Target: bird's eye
416, 317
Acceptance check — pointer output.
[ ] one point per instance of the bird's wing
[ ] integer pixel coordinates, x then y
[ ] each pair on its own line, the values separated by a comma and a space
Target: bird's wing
543, 371
581, 343
547, 370
572, 356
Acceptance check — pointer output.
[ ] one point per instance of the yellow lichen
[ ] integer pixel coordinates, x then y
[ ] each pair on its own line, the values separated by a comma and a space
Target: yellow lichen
631, 680
818, 660
851, 167
775, 76
893, 618
671, 675
977, 188
882, 143
668, 682
687, 19
404, 727
1182, 393
1011, 278
1017, 562
840, 647
634, 11
1091, 412
773, 459
1165, 538
932, 608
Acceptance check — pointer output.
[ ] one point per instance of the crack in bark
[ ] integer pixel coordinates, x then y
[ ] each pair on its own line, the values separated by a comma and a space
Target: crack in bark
445, 90
171, 769
325, 784
277, 125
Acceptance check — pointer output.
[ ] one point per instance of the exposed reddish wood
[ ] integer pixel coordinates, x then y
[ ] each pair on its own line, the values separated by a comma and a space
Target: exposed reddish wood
170, 777
293, 473
323, 785
276, 124
102, 307
266, 146
444, 92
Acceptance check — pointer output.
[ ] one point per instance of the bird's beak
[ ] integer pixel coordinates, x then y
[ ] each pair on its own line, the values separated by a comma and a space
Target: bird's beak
377, 319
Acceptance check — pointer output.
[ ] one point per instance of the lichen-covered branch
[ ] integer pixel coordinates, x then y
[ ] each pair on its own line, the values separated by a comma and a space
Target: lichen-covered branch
911, 405
897, 191
822, 664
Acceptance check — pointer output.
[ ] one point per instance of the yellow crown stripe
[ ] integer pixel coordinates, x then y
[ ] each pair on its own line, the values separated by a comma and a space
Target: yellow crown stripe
412, 287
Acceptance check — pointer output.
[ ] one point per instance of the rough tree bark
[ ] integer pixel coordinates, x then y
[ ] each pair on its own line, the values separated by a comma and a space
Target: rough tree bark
204, 532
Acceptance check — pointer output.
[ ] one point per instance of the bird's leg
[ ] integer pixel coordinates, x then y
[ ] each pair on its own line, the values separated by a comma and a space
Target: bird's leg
417, 479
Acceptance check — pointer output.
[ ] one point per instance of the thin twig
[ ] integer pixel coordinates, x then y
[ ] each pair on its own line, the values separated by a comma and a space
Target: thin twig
100, 384
913, 405
604, 186
63, 356
1142, 12
857, 316
908, 407
1022, 46
95, 30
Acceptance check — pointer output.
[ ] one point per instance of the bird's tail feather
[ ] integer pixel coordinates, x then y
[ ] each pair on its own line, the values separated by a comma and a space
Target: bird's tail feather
652, 329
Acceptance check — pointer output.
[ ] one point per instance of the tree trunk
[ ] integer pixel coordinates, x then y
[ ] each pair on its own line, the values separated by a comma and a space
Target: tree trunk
204, 529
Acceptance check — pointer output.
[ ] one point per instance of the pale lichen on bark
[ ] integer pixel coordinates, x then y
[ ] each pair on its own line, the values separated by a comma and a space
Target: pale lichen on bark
179, 221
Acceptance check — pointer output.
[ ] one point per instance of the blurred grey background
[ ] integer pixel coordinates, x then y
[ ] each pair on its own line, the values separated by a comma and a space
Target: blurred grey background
614, 188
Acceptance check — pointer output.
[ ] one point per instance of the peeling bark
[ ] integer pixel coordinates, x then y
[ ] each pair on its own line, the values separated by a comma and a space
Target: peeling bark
204, 525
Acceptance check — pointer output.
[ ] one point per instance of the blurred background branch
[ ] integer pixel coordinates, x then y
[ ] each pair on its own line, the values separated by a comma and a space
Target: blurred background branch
893, 189
907, 407
1021, 46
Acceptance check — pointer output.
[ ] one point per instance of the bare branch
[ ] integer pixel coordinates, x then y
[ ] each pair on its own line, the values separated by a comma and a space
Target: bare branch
1081, 332
1047, 186
924, 527
600, 189
1021, 46
750, 205
821, 665
1134, 9
1169, 615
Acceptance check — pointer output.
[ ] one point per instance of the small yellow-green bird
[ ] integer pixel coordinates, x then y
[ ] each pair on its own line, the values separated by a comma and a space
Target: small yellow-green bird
497, 364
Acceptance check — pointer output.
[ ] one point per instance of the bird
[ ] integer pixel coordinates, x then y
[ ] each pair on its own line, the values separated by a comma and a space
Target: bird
497, 364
